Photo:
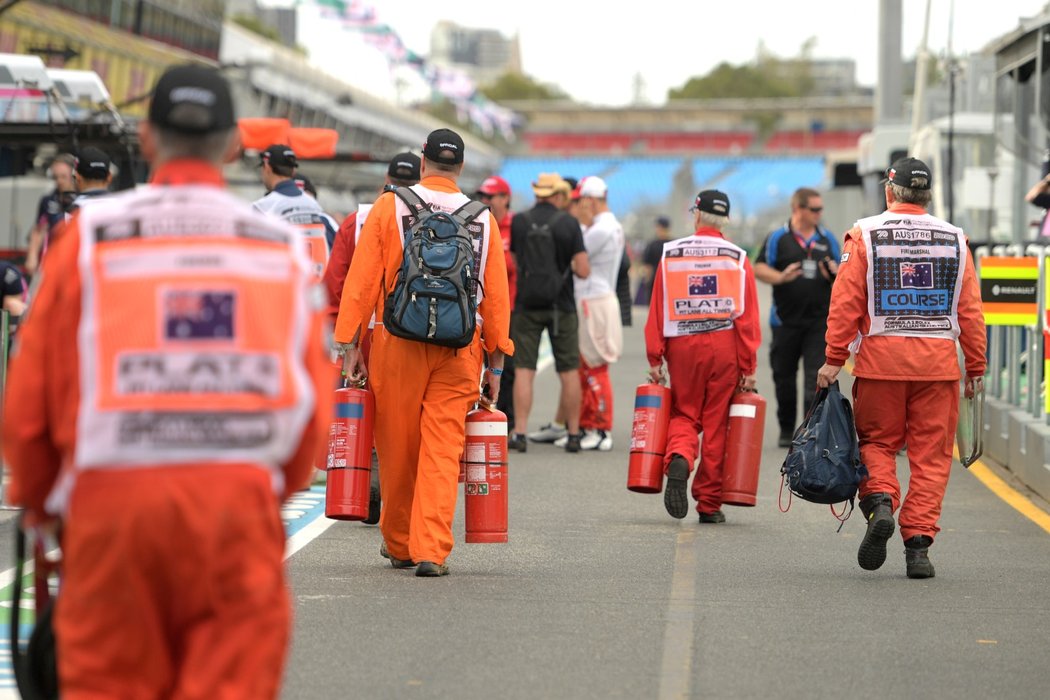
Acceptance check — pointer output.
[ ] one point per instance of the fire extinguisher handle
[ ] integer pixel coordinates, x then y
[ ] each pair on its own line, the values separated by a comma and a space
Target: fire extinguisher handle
358, 384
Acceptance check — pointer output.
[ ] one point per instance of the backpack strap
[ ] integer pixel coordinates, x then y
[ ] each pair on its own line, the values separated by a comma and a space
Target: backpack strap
410, 197
468, 212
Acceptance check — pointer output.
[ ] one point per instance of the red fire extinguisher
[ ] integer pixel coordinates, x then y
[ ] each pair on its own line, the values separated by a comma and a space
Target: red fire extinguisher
350, 454
652, 411
747, 422
485, 465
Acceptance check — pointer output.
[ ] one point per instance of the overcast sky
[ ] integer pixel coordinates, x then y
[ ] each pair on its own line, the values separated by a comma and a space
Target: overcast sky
594, 50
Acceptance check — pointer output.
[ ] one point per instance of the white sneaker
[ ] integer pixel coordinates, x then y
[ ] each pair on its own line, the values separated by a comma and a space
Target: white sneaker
591, 439
606, 444
548, 433
562, 441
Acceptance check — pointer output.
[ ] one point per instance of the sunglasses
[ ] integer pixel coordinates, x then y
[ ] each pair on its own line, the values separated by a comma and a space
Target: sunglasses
815, 210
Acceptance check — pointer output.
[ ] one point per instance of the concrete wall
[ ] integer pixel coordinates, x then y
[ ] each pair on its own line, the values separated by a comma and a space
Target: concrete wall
1019, 442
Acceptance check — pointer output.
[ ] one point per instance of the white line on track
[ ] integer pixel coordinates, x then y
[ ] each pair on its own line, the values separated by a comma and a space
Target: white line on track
676, 666
306, 535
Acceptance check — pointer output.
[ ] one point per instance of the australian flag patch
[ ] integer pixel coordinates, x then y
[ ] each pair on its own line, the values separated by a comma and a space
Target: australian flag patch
703, 285
198, 315
918, 275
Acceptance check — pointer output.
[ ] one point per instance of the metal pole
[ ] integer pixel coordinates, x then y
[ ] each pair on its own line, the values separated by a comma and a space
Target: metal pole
5, 330
1035, 346
949, 180
1013, 365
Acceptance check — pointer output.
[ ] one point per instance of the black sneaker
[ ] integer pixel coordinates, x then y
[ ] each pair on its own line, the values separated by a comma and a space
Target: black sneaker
715, 517
572, 442
878, 509
917, 557
517, 442
429, 568
785, 439
676, 498
394, 561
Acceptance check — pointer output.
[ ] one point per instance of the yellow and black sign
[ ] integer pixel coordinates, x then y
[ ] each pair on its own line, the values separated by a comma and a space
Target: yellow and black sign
1010, 291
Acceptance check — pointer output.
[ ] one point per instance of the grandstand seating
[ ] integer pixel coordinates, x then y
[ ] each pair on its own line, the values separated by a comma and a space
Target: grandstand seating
647, 142
754, 184
811, 141
708, 142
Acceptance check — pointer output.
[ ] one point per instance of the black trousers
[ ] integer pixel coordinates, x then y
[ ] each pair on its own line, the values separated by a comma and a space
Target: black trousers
505, 402
790, 344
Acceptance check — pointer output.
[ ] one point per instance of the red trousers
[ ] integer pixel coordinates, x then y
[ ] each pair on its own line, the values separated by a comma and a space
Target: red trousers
921, 415
596, 408
173, 586
704, 376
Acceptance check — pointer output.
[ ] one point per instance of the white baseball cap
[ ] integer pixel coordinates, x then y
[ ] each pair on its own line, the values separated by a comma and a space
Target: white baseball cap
592, 186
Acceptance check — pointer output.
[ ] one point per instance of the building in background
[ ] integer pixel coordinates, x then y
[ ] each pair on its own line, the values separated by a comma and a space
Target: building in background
483, 54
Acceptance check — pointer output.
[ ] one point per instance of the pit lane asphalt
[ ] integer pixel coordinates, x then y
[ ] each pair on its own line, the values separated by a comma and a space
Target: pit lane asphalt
601, 594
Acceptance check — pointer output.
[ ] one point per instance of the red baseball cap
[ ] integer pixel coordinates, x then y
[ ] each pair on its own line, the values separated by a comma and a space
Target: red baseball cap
494, 184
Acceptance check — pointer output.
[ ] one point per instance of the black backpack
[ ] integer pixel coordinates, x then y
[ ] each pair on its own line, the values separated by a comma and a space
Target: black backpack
434, 299
823, 464
540, 281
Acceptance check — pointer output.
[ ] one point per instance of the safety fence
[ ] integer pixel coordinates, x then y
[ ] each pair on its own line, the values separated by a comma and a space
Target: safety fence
1014, 287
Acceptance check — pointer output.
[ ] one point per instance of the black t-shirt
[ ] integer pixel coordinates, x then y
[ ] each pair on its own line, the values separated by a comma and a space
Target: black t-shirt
807, 298
654, 250
568, 241
50, 211
11, 280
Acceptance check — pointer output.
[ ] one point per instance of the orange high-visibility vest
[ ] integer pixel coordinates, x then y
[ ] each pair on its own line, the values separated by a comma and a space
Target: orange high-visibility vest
191, 347
703, 279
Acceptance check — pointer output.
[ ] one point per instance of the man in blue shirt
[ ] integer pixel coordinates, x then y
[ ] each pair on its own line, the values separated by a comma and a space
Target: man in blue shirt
800, 259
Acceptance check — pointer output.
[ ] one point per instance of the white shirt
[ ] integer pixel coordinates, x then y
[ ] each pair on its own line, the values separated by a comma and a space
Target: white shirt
604, 241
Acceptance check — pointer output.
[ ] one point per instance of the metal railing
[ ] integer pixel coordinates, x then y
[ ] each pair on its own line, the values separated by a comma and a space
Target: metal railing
5, 341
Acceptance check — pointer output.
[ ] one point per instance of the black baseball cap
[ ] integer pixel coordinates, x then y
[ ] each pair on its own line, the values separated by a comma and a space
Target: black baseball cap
279, 154
93, 164
909, 172
404, 166
663, 222
192, 99
444, 146
712, 202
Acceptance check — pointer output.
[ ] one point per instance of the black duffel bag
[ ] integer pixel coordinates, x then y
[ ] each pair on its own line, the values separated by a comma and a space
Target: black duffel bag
823, 464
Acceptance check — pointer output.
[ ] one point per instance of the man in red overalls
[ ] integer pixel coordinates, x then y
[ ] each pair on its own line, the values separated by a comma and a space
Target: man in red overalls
703, 319
906, 291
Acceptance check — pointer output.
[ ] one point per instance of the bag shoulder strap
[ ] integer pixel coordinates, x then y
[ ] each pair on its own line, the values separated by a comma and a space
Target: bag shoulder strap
468, 212
410, 197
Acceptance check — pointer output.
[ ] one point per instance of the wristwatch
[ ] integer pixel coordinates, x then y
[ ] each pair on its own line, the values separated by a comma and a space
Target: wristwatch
343, 348
495, 371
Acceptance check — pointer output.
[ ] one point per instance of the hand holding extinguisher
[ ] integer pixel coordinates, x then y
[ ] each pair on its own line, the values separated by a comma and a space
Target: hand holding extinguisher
490, 379
355, 369
746, 382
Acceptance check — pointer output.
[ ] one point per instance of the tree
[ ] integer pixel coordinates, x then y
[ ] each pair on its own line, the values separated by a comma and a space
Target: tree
766, 76
726, 80
518, 86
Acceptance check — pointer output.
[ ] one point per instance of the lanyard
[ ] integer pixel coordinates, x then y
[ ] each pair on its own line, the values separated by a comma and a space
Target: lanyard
802, 243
